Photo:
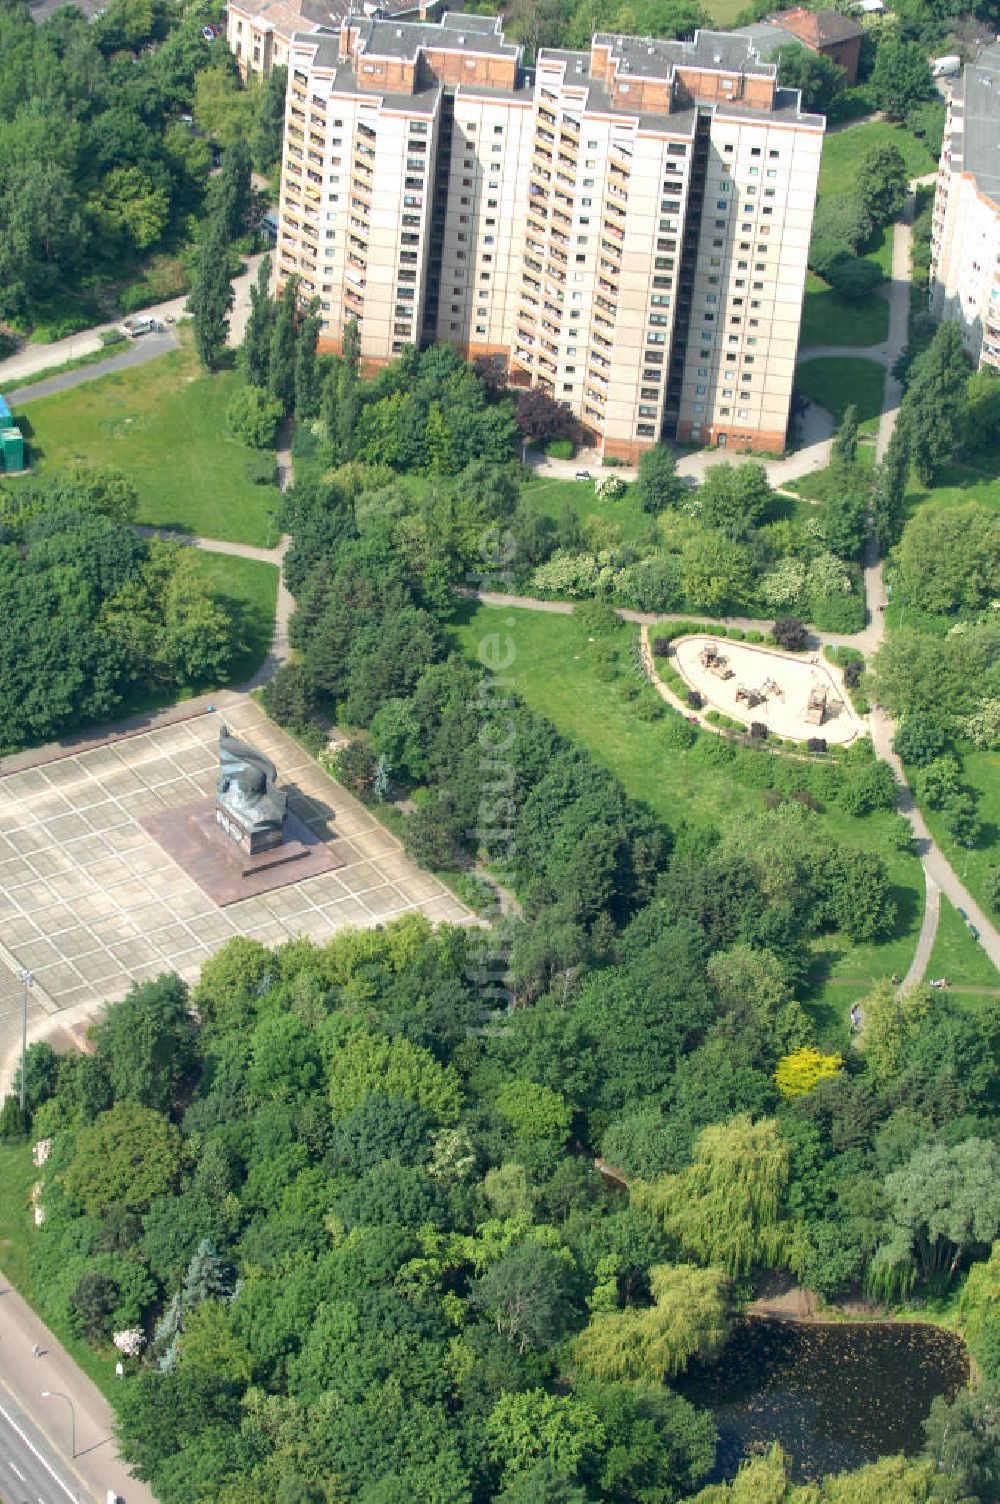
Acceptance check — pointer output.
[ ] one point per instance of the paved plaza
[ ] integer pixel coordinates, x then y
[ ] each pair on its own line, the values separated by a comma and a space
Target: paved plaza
90, 903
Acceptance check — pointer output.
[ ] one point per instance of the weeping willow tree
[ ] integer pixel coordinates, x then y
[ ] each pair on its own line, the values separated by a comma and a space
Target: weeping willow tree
687, 1319
767, 1480
727, 1207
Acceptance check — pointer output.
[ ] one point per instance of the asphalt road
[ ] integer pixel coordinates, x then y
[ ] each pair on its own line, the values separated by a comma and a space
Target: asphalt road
146, 347
30, 1471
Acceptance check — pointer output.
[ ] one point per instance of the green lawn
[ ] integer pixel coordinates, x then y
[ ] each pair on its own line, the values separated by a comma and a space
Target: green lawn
958, 483
724, 12
958, 957
551, 497
829, 319
164, 424
17, 1174
553, 670
835, 381
843, 150
981, 771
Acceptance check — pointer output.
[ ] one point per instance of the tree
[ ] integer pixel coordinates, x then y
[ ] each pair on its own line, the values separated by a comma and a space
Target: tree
306, 384
230, 193
256, 351
348, 376
211, 296
853, 276
540, 417
126, 1158
942, 1204
523, 1293
950, 558
269, 126
147, 1042
131, 208
281, 366
790, 633
206, 1277
715, 573
222, 110
819, 77
658, 485
901, 77
801, 1072
727, 1207
845, 443
933, 406
733, 498
962, 1439
526, 1429
982, 412
370, 1062
253, 416
888, 490
649, 1345
881, 182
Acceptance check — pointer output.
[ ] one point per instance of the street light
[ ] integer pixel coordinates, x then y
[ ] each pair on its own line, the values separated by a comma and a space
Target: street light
270, 521
27, 979
57, 1394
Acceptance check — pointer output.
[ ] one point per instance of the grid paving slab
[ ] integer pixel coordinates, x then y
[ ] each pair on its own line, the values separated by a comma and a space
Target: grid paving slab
90, 902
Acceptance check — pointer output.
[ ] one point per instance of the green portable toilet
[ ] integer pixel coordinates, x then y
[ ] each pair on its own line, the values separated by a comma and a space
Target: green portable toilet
12, 445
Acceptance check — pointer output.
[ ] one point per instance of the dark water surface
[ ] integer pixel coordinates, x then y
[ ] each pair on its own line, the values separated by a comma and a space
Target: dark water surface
835, 1397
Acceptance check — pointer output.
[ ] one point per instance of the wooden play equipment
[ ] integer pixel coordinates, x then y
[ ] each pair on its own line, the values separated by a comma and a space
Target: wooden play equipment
749, 697
711, 659
772, 690
816, 705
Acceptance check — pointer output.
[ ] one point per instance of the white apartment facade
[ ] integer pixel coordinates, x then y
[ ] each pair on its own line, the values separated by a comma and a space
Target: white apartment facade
965, 238
627, 229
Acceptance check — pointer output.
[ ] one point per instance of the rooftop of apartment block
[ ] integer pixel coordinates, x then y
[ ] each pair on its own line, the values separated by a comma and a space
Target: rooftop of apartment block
290, 16
979, 144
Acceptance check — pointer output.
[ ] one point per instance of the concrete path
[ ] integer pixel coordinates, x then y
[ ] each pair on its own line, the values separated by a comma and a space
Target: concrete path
44, 1443
33, 358
147, 347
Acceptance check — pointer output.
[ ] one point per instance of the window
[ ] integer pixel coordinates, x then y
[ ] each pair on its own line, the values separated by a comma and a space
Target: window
773, 155
567, 386
722, 204
755, 172
700, 391
651, 393
480, 328
699, 407
760, 266
772, 172
711, 297
755, 151
646, 412
703, 370
646, 430
742, 412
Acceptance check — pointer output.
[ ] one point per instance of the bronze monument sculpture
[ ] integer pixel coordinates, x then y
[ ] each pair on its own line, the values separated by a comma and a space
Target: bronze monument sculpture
248, 806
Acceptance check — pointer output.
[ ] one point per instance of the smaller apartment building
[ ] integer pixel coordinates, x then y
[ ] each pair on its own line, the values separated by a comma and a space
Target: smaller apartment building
965, 240
625, 228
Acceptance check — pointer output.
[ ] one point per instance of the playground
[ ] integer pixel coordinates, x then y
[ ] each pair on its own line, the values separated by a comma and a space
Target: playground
795, 695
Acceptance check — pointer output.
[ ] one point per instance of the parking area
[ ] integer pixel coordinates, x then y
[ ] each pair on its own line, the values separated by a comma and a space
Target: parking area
90, 902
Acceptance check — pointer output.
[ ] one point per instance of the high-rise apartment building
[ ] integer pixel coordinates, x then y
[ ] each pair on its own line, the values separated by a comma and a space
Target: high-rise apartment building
626, 228
965, 237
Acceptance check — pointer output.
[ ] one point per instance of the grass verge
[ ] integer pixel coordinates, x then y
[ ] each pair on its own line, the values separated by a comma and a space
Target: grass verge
959, 958
829, 319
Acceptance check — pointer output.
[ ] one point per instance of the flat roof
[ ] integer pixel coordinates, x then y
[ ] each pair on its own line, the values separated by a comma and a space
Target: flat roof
981, 133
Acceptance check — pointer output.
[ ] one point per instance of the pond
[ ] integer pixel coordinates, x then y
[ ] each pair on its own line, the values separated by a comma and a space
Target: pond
834, 1396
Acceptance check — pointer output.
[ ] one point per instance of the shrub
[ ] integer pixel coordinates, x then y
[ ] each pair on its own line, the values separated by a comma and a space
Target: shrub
679, 733
253, 416
355, 768
852, 673
286, 696
661, 647
758, 731
560, 449
789, 632
755, 637
816, 744
919, 740
12, 1123
992, 892
695, 699
650, 709
109, 337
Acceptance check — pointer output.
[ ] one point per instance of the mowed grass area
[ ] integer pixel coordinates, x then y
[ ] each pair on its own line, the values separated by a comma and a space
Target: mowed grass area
550, 498
829, 319
554, 671
835, 381
960, 958
981, 772
724, 12
843, 150
17, 1228
163, 424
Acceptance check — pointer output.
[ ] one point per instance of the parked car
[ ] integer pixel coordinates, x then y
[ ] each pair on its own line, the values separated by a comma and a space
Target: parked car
583, 475
140, 324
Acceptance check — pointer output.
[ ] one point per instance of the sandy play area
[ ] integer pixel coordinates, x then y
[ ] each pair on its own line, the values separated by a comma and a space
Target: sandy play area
796, 695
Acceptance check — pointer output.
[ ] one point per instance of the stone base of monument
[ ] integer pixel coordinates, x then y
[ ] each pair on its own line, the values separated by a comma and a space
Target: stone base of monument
223, 867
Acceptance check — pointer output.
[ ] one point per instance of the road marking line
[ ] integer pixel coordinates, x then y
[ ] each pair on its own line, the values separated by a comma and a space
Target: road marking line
16, 1470
36, 1453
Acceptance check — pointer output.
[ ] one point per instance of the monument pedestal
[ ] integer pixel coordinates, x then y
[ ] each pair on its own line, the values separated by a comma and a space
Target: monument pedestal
220, 864
252, 842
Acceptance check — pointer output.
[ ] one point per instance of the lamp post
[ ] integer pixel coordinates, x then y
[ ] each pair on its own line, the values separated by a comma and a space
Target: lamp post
270, 522
57, 1394
27, 979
